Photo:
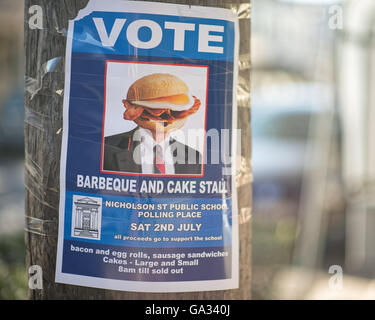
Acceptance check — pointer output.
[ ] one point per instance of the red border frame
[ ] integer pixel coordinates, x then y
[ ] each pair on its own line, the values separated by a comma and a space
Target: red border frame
104, 113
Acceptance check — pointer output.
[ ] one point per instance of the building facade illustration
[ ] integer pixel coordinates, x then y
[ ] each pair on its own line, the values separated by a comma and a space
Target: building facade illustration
86, 217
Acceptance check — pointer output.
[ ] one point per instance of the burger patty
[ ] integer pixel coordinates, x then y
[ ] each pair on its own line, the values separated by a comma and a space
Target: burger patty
133, 112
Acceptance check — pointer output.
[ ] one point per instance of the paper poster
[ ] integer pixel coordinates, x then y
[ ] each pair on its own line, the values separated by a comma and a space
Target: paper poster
148, 197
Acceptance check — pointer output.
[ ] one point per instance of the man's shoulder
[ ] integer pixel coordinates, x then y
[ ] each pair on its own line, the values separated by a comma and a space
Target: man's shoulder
119, 153
189, 151
119, 140
182, 145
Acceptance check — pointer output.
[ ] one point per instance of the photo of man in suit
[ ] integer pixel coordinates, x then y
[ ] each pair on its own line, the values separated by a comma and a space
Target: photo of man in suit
159, 104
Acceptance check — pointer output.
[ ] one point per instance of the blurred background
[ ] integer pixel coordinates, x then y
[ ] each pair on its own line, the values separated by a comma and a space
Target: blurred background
313, 150
13, 277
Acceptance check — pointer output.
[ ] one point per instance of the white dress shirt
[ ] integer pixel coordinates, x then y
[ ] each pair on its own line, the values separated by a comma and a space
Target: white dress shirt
147, 153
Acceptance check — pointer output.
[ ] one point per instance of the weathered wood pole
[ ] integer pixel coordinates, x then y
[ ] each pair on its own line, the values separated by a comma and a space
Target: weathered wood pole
43, 127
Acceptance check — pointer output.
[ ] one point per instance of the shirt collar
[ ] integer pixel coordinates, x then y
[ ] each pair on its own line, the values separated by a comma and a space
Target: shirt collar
149, 141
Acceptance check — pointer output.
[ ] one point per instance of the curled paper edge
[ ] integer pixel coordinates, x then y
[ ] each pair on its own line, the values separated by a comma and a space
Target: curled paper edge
119, 5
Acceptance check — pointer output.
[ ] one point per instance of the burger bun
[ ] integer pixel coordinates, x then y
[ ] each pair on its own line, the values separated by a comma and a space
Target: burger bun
157, 85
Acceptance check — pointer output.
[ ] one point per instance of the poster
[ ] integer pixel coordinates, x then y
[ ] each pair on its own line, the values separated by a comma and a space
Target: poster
148, 197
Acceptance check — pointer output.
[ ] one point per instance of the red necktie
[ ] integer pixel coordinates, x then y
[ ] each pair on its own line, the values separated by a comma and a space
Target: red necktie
159, 166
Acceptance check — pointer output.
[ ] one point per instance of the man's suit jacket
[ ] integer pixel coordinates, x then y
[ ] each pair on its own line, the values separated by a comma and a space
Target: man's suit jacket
121, 149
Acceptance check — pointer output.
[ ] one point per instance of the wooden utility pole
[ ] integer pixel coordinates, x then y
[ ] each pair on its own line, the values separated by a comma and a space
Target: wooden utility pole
45, 52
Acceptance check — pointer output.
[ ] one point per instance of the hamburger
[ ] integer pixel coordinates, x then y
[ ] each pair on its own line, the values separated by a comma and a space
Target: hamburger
160, 102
